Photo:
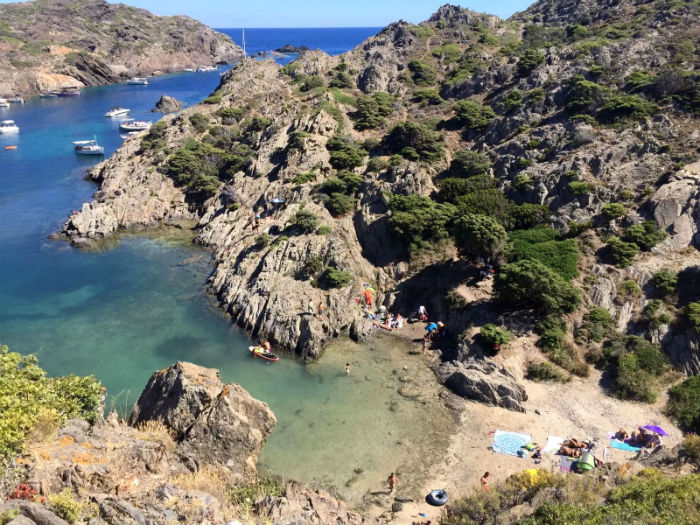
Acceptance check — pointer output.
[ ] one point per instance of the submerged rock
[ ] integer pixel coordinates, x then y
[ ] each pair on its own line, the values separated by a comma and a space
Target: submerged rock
483, 381
215, 423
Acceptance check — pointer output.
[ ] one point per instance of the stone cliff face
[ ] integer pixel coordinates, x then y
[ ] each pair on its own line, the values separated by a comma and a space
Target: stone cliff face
50, 44
274, 134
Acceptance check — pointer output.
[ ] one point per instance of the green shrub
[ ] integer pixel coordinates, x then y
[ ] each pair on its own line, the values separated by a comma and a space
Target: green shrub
512, 100
213, 99
262, 241
684, 404
303, 178
448, 53
472, 115
580, 188
452, 188
630, 288
257, 124
339, 204
584, 96
479, 235
623, 106
306, 221
291, 69
155, 138
622, 253
345, 154
309, 82
692, 316
665, 282
342, 80
200, 122
529, 283
372, 110
424, 141
597, 323
417, 220
640, 81
247, 495
324, 230
467, 163
230, 115
546, 372
645, 235
529, 61
635, 365
66, 506
492, 337
491, 202
342, 98
528, 215
423, 74
334, 278
524, 163
312, 267
297, 140
552, 331
541, 244
26, 393
428, 96
377, 165
577, 228
523, 182
613, 210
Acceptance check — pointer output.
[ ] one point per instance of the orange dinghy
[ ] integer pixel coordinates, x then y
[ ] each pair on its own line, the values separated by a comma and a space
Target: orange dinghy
10, 147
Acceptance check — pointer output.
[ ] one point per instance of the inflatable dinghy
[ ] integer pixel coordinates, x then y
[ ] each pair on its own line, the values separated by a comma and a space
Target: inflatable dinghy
267, 356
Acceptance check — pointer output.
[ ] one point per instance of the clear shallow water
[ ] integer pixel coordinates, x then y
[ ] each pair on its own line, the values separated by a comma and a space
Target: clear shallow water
122, 313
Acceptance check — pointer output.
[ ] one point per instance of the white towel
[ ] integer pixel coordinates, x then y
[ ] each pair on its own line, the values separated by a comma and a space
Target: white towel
553, 444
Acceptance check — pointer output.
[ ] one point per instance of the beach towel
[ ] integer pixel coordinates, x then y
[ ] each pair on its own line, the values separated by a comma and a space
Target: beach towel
566, 463
553, 444
509, 442
621, 445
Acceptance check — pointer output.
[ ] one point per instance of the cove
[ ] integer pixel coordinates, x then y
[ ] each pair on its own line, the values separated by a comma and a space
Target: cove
124, 312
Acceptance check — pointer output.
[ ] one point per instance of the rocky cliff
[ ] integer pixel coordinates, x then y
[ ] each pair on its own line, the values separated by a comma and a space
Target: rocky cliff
50, 44
581, 116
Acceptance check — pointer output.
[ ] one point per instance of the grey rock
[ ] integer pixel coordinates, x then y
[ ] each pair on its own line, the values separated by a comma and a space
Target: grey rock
114, 510
483, 381
167, 104
21, 520
36, 513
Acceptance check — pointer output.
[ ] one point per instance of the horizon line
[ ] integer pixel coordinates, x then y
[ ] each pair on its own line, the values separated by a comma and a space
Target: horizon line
304, 27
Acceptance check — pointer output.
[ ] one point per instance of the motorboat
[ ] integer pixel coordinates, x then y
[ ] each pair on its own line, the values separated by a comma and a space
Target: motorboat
135, 125
190, 69
69, 92
8, 126
88, 147
17, 100
138, 81
4, 103
117, 111
130, 134
204, 69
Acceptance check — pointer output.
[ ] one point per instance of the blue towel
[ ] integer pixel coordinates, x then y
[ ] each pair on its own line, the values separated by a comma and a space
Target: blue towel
621, 445
509, 442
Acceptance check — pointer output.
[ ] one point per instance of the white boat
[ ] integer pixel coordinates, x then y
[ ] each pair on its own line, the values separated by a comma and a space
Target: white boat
8, 126
117, 112
88, 147
138, 81
204, 69
17, 100
190, 69
135, 125
4, 103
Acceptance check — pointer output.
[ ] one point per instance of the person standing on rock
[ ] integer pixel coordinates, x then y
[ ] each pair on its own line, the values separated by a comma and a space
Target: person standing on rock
392, 481
312, 311
320, 308
347, 369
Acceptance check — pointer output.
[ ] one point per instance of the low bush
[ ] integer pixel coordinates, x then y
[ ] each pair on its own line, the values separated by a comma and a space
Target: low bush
491, 202
613, 210
423, 74
66, 506
623, 106
200, 122
635, 365
309, 82
262, 241
692, 316
247, 495
230, 115
472, 115
426, 143
345, 153
303, 178
26, 393
528, 215
479, 235
552, 331
622, 253
306, 221
342, 80
297, 140
468, 163
629, 289
684, 404
546, 372
584, 96
155, 138
580, 187
645, 235
334, 278
541, 243
428, 96
512, 100
214, 98
257, 124
655, 314
529, 283
418, 220
339, 204
492, 338
373, 109
377, 165
665, 282
313, 266
529, 61
523, 182
597, 324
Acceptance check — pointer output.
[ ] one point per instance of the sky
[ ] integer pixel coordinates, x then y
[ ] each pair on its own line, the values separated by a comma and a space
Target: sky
316, 13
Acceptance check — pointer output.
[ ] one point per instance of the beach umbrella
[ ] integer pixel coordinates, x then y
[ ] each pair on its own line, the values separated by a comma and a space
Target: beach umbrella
656, 429
276, 201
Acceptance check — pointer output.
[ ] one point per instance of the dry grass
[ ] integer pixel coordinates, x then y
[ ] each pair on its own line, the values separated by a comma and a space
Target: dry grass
212, 480
158, 432
45, 427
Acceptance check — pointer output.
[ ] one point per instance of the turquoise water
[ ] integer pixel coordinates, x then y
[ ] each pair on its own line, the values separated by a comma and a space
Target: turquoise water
125, 312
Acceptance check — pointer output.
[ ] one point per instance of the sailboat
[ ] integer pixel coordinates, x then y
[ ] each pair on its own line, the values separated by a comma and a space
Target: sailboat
88, 147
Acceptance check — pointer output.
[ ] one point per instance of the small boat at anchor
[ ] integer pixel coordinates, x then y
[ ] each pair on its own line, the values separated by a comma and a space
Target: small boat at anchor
263, 353
117, 111
69, 92
4, 103
8, 126
190, 69
88, 147
49, 94
17, 100
135, 125
137, 81
204, 69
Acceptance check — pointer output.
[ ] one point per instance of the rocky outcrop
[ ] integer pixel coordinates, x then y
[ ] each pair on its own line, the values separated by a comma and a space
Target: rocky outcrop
215, 423
304, 506
677, 208
167, 104
93, 42
483, 381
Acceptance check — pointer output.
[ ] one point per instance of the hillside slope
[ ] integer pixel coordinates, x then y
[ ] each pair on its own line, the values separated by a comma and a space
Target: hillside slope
49, 44
560, 144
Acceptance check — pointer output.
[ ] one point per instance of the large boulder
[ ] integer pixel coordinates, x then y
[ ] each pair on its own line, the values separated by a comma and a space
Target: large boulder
167, 104
483, 381
31, 513
303, 506
215, 423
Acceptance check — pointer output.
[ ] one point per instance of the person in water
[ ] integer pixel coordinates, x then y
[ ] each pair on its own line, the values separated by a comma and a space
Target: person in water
267, 346
392, 481
347, 369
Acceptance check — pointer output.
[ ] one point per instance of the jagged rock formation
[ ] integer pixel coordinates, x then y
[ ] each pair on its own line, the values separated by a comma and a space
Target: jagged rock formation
276, 127
53, 44
483, 381
215, 423
167, 104
300, 505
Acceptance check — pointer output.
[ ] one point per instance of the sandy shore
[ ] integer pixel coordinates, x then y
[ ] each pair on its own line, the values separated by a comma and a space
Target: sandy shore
577, 409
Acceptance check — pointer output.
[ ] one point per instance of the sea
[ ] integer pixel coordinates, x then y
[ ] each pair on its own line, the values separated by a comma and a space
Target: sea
141, 304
